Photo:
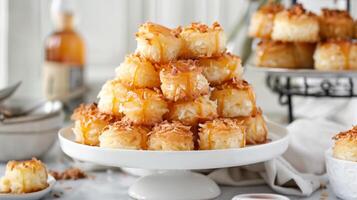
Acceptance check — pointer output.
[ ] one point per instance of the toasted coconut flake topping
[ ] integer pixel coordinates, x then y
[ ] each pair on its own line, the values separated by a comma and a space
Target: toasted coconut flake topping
182, 66
272, 8
33, 164
222, 124
234, 83
125, 125
298, 10
335, 13
203, 28
91, 112
174, 127
350, 134
150, 27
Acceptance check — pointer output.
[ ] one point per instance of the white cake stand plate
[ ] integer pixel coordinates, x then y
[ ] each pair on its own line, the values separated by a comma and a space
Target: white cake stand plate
174, 181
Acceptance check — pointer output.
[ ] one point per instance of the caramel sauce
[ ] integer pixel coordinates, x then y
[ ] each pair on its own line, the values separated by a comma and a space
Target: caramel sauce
217, 42
345, 48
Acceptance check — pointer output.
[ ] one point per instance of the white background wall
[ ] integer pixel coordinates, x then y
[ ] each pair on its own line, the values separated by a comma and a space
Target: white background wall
108, 28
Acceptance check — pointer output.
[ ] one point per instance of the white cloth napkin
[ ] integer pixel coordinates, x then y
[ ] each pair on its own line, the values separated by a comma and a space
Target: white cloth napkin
301, 169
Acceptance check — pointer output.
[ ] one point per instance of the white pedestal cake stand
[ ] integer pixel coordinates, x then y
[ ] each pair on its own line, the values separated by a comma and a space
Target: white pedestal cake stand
176, 182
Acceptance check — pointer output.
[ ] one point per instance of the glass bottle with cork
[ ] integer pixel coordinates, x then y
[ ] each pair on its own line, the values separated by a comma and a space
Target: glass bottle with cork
63, 70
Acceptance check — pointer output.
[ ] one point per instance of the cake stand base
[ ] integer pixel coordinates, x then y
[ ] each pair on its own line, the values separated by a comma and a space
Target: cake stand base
174, 185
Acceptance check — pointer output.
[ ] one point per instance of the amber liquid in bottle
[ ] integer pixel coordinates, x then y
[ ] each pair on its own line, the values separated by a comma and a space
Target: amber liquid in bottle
64, 63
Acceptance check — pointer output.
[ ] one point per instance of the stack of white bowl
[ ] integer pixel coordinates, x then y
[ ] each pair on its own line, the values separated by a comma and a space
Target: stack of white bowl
31, 135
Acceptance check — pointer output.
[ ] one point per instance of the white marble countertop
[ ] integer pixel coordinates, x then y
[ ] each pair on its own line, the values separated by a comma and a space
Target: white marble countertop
110, 184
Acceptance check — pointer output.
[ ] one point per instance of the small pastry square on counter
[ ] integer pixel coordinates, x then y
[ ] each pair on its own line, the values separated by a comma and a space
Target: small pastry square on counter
223, 133
345, 147
24, 177
296, 25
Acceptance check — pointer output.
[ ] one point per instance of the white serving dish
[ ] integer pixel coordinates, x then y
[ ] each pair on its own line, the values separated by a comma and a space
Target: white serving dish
30, 196
342, 176
176, 183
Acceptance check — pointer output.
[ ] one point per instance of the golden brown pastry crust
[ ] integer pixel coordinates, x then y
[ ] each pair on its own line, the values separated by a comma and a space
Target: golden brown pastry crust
124, 135
192, 112
336, 24
220, 69
89, 123
296, 25
157, 43
235, 98
200, 40
256, 128
24, 177
183, 80
223, 133
345, 147
336, 55
262, 21
171, 137
137, 71
284, 54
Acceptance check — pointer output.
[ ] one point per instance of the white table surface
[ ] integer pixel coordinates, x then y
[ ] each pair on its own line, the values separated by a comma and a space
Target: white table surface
113, 184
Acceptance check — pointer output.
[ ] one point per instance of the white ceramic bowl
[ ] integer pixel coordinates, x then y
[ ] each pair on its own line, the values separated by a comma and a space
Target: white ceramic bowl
342, 175
25, 140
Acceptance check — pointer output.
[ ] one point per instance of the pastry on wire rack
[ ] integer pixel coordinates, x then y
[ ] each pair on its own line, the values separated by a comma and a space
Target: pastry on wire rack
262, 21
256, 128
124, 135
183, 80
194, 111
334, 55
223, 133
278, 54
137, 71
296, 25
89, 123
110, 97
235, 98
158, 43
336, 24
171, 137
200, 40
222, 68
345, 147
24, 177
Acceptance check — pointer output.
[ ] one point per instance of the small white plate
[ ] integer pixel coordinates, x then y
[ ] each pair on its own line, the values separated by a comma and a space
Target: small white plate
30, 196
260, 196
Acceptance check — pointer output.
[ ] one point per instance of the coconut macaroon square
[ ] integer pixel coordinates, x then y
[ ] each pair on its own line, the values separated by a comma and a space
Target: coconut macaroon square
336, 24
89, 123
124, 135
173, 136
194, 111
262, 21
235, 98
157, 43
296, 25
279, 54
222, 68
345, 147
334, 55
200, 40
137, 71
183, 80
24, 177
223, 133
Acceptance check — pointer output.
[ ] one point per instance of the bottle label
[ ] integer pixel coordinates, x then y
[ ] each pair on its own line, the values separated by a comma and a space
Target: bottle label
62, 81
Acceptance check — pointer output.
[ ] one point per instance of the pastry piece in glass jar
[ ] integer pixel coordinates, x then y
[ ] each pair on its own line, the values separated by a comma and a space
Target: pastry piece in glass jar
256, 128
336, 24
89, 123
345, 147
171, 137
284, 54
158, 43
200, 40
296, 25
334, 55
183, 80
235, 98
137, 71
262, 21
222, 68
124, 135
24, 177
192, 112
223, 133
